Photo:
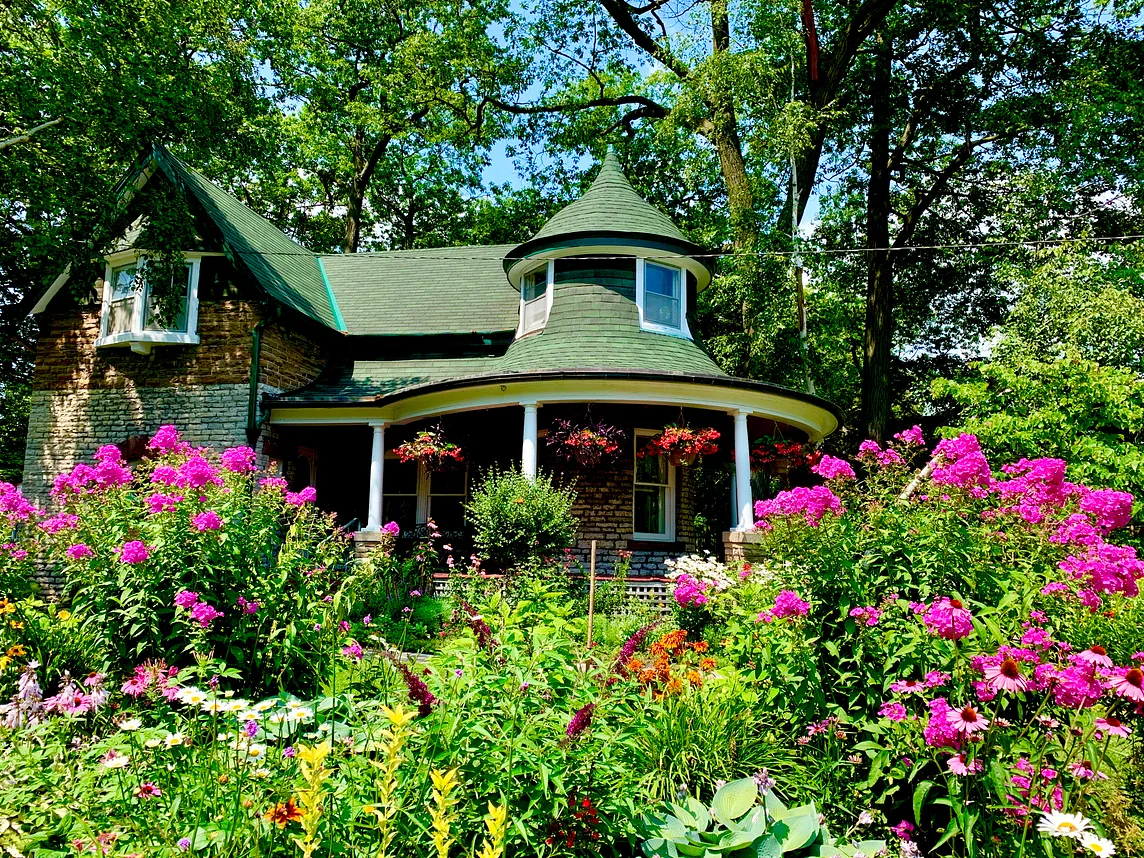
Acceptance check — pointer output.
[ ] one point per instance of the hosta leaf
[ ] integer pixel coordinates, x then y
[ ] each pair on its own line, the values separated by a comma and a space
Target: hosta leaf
735, 798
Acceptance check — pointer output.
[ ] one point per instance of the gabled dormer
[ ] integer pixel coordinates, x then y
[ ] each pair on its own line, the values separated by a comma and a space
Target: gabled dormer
626, 238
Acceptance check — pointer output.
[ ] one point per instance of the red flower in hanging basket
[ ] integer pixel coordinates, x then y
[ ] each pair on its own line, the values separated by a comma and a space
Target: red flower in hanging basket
682, 444
588, 444
774, 454
429, 446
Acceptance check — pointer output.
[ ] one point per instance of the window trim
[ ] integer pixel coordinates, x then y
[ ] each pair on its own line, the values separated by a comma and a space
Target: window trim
423, 497
550, 273
655, 327
669, 492
139, 338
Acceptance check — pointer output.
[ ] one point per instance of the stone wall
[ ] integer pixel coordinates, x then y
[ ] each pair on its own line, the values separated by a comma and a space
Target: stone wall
739, 546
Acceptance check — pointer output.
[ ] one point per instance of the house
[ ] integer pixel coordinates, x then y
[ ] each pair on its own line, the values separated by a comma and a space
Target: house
326, 363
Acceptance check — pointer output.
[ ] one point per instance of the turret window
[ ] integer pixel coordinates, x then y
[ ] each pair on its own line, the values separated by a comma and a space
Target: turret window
128, 316
661, 297
535, 298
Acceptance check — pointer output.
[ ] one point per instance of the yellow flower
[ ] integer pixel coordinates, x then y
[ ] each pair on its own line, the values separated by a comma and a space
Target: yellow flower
497, 824
314, 754
442, 813
15, 624
399, 717
64, 615
6, 607
4, 661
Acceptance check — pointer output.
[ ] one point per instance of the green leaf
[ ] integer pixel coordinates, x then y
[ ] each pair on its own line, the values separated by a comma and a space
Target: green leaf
766, 847
801, 827
920, 793
735, 798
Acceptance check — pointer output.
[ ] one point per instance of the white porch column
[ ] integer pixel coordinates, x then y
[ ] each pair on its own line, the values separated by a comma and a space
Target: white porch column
528, 448
743, 472
376, 465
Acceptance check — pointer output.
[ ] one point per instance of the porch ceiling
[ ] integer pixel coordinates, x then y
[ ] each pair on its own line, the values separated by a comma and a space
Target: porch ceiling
434, 397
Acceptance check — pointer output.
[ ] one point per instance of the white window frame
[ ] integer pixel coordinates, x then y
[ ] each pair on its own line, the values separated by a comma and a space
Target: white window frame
655, 327
638, 437
423, 510
139, 338
550, 273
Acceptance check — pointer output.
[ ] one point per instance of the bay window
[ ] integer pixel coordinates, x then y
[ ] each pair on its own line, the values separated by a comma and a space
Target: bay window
129, 314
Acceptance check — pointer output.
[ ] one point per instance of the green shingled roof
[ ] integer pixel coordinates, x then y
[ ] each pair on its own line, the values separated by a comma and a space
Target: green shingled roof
610, 205
453, 290
288, 272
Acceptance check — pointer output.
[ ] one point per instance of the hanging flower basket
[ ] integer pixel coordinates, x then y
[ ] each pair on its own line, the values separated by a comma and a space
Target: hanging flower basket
779, 457
682, 445
429, 446
588, 444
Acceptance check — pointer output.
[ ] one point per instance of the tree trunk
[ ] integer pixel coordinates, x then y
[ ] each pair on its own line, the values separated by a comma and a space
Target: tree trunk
880, 266
356, 197
725, 135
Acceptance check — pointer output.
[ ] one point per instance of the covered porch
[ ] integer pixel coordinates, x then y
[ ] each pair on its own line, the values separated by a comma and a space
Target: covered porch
643, 505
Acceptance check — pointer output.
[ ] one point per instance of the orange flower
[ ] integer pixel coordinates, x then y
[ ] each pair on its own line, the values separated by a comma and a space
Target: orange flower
707, 664
700, 647
694, 678
634, 665
16, 651
283, 814
647, 676
674, 686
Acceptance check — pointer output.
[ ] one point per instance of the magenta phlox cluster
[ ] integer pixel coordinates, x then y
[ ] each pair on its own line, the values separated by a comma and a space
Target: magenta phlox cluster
1036, 487
811, 503
167, 441
912, 437
962, 464
186, 598
238, 460
832, 468
871, 451
353, 651
307, 495
79, 551
160, 502
1076, 529
247, 606
867, 614
949, 619
206, 520
893, 710
788, 604
205, 614
14, 506
107, 473
273, 483
1105, 568
63, 521
690, 591
939, 732
1111, 510
134, 552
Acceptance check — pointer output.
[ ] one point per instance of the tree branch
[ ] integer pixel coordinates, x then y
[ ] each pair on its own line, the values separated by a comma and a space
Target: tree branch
622, 14
27, 135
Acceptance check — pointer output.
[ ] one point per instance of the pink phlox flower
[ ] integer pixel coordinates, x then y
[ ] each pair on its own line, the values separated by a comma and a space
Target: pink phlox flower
273, 483
904, 830
1076, 529
788, 604
949, 619
352, 650
961, 768
247, 607
912, 436
918, 607
79, 551
939, 732
197, 472
962, 464
832, 468
206, 520
985, 691
392, 528
1110, 509
1057, 588
811, 503
134, 552
160, 502
871, 451
936, 679
238, 460
867, 614
307, 495
63, 521
205, 614
893, 711
1037, 488
14, 506
14, 550
1076, 687
166, 440
690, 591
165, 475
186, 598
1107, 568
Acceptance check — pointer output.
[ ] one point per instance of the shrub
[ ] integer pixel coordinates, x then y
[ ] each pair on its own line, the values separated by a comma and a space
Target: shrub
190, 553
516, 518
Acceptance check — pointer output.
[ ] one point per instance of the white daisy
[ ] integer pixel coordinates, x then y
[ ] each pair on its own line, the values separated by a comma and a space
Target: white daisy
192, 696
173, 740
262, 774
213, 706
264, 705
234, 705
115, 760
255, 751
152, 743
130, 724
1059, 824
1096, 845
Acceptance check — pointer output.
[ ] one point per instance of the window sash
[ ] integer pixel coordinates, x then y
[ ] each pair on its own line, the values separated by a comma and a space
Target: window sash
653, 494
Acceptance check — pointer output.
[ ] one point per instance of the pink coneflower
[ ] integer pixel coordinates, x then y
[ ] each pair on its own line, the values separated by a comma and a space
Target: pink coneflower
1006, 676
1113, 727
148, 790
1097, 655
1129, 684
908, 686
966, 720
893, 711
960, 767
1083, 770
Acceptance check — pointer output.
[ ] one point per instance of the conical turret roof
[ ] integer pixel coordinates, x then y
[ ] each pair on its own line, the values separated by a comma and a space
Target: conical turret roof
611, 205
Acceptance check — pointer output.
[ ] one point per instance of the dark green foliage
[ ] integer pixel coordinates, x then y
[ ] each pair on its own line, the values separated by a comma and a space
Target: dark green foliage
516, 519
